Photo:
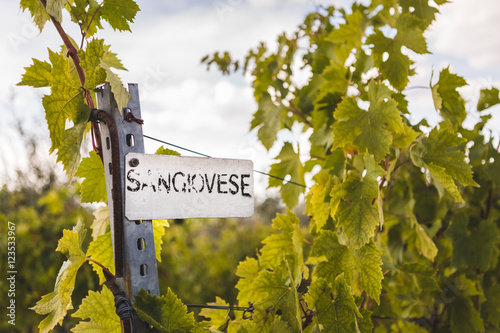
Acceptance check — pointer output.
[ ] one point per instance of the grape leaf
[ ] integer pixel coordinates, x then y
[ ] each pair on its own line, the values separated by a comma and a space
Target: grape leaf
166, 313
91, 63
492, 305
447, 99
247, 270
69, 152
410, 33
111, 59
101, 221
38, 13
488, 98
446, 163
333, 258
289, 165
94, 183
57, 303
100, 309
277, 291
286, 245
370, 130
119, 13
165, 151
268, 117
423, 242
335, 308
464, 316
158, 231
122, 96
218, 318
421, 9
396, 68
101, 250
54, 8
87, 14
37, 75
318, 201
351, 205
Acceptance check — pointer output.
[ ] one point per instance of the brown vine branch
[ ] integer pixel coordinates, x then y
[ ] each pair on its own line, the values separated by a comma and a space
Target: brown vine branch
100, 265
72, 52
299, 114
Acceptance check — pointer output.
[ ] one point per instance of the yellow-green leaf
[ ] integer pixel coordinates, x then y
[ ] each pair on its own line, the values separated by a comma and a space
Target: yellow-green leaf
94, 183
99, 308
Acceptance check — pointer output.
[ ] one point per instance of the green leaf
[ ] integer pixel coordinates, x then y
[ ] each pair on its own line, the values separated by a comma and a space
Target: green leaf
119, 13
122, 96
421, 9
247, 270
268, 117
422, 275
158, 231
94, 185
492, 305
37, 75
451, 104
87, 14
54, 8
287, 245
488, 98
218, 318
100, 309
441, 154
91, 63
165, 151
69, 152
335, 308
410, 33
464, 316
423, 242
101, 221
111, 59
318, 200
166, 313
396, 68
351, 205
38, 13
275, 290
57, 303
370, 129
332, 259
101, 250
289, 165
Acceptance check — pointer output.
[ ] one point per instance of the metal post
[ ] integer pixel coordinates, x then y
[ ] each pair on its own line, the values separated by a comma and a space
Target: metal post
136, 269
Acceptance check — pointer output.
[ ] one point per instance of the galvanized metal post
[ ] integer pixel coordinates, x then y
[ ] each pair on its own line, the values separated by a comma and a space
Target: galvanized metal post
139, 269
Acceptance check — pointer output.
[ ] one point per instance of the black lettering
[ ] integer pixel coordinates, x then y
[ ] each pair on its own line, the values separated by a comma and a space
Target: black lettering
133, 180
162, 181
235, 184
221, 182
173, 182
210, 187
202, 183
143, 186
191, 183
243, 185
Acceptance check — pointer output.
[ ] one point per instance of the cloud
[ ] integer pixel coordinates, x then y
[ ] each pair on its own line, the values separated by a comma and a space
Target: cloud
465, 29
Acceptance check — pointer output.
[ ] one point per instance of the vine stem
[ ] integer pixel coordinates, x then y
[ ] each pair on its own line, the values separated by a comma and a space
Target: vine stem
100, 265
72, 52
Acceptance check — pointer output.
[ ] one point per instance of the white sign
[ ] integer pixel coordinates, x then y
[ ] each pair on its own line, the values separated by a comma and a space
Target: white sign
171, 187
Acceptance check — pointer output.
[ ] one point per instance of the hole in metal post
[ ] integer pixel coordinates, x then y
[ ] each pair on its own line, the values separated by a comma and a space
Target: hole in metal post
143, 270
138, 222
108, 144
130, 140
141, 244
110, 168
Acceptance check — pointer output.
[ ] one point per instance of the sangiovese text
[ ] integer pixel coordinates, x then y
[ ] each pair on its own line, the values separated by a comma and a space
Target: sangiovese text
184, 182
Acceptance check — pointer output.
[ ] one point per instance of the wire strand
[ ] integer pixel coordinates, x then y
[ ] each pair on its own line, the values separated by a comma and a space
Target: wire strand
204, 155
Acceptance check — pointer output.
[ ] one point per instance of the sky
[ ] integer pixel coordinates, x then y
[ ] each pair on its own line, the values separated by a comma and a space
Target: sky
202, 110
